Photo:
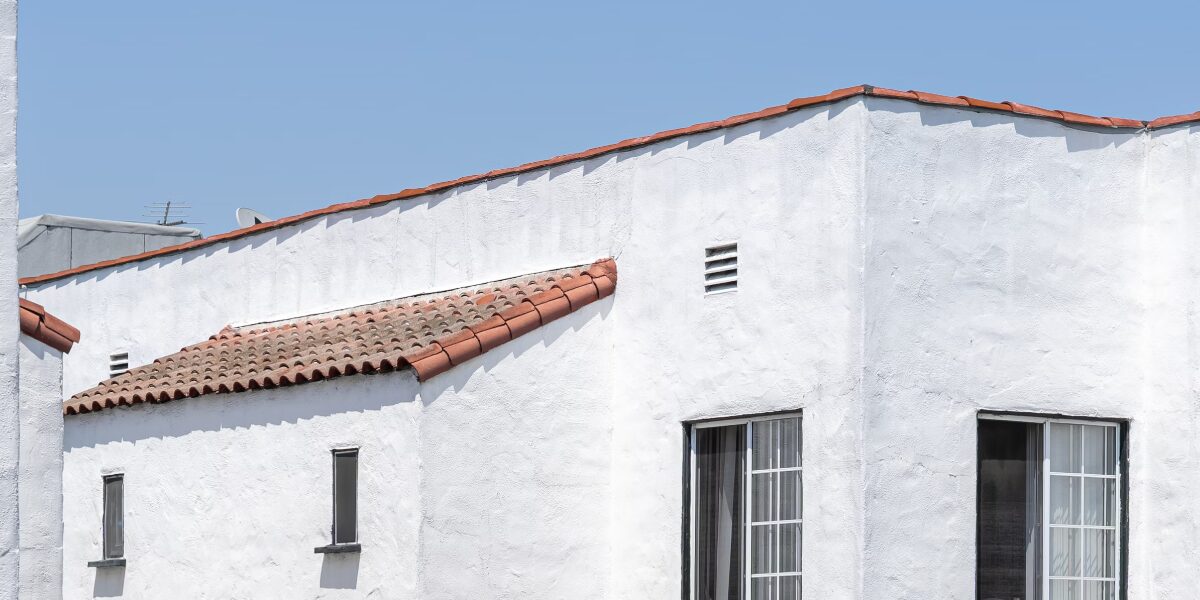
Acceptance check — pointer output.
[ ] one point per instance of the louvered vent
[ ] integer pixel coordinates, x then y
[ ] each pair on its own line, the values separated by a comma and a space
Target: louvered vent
118, 362
720, 269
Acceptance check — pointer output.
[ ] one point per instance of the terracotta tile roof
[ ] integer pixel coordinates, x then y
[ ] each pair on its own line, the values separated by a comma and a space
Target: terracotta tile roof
45, 327
429, 333
1110, 123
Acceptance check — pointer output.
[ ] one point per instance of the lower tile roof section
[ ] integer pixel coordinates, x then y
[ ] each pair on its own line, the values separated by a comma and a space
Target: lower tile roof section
45, 327
429, 333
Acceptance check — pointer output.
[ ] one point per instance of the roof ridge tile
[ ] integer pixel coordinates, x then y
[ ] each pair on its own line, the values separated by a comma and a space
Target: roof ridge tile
630, 143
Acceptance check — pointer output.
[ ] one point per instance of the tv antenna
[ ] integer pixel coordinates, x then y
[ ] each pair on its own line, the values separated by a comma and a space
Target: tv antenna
169, 213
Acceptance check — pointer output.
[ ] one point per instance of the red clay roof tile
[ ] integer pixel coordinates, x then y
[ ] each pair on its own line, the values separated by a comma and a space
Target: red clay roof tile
928, 98
1025, 109
890, 93
1175, 120
1071, 117
45, 327
834, 96
977, 103
430, 333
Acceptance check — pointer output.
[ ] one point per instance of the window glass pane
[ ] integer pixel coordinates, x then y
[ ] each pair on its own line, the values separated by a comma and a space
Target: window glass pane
789, 587
789, 548
789, 442
1099, 553
1064, 552
1064, 590
762, 548
345, 501
1099, 500
1099, 590
762, 588
720, 491
763, 444
1100, 450
789, 495
1064, 500
114, 517
1065, 445
762, 497
1010, 510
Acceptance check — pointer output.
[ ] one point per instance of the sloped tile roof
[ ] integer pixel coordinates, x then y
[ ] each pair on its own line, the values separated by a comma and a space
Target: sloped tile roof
45, 327
1101, 123
429, 333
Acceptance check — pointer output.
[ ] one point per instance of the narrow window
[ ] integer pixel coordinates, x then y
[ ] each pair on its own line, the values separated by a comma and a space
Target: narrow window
1049, 510
114, 516
345, 496
746, 510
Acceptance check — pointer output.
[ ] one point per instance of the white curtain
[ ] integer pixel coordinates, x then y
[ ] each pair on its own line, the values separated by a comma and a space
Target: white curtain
720, 460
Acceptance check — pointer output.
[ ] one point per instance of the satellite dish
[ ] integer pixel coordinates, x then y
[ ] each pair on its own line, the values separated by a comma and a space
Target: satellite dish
247, 217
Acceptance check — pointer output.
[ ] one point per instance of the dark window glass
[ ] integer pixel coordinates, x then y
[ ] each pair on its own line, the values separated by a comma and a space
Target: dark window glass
114, 516
720, 473
345, 496
1009, 510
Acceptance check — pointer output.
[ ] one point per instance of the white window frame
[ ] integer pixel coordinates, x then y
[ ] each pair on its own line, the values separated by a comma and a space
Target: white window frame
1117, 529
747, 487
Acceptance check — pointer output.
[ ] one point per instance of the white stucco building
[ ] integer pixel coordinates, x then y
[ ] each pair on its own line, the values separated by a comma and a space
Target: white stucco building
965, 328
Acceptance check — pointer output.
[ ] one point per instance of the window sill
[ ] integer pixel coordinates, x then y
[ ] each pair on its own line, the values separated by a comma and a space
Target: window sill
338, 549
108, 562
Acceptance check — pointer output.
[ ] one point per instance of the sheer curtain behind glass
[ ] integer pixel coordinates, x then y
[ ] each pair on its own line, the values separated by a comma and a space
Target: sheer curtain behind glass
775, 499
1083, 511
720, 473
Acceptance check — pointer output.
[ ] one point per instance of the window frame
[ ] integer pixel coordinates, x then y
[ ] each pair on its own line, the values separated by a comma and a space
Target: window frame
333, 529
690, 476
104, 529
1121, 477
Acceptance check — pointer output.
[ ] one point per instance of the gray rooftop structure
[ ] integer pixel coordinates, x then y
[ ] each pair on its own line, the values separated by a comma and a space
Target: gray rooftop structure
51, 243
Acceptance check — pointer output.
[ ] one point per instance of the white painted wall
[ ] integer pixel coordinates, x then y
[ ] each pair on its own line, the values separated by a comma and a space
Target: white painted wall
902, 267
784, 188
41, 463
9, 331
1003, 270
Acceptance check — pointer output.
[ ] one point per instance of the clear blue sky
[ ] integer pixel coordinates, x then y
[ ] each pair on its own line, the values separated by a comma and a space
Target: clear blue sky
286, 106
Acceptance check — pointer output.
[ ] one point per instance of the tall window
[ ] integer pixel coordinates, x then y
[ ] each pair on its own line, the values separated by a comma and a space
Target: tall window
345, 496
746, 509
1049, 509
114, 516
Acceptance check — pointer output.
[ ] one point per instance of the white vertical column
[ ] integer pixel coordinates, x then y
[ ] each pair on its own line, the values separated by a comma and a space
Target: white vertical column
9, 328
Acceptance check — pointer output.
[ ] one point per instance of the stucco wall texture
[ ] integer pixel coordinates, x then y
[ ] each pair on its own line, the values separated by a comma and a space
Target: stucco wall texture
9, 331
41, 471
901, 267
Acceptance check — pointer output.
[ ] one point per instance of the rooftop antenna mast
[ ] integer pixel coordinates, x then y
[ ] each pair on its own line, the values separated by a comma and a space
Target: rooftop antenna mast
168, 213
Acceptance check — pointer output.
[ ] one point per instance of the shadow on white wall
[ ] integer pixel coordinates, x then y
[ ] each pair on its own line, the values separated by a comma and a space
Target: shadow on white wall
110, 582
340, 572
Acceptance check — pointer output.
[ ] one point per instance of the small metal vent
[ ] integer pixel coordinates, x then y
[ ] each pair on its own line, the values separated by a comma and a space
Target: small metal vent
118, 362
720, 268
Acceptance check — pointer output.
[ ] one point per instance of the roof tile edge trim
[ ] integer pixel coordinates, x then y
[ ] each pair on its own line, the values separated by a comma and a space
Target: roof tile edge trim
597, 281
45, 327
965, 102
